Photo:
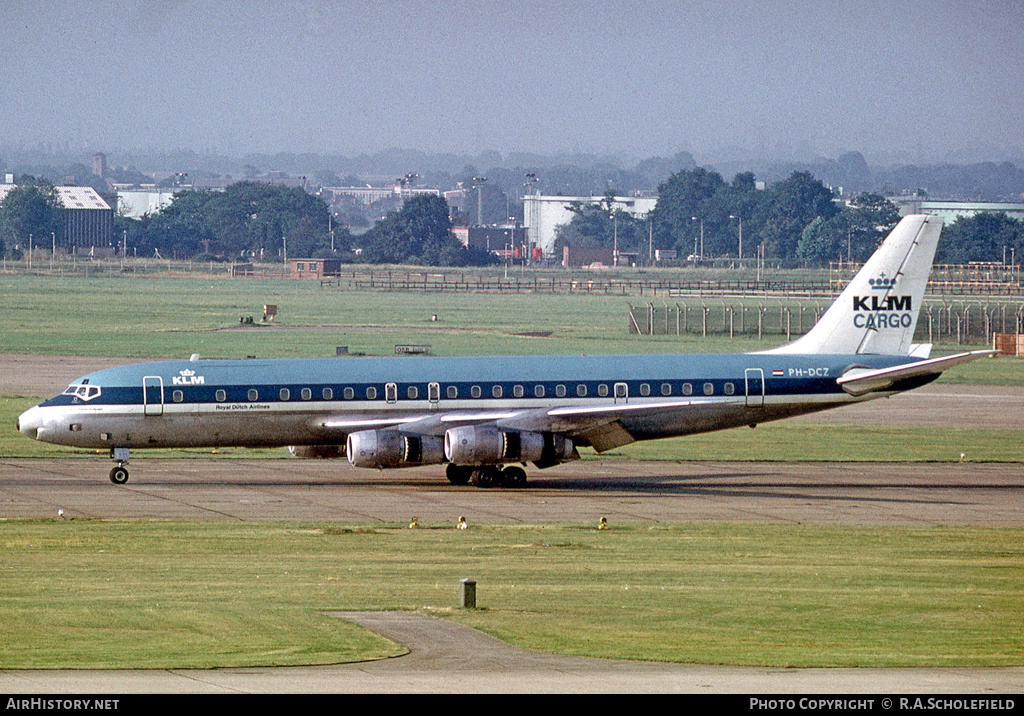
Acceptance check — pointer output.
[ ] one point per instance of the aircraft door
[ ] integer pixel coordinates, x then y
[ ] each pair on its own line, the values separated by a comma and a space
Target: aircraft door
152, 395
621, 393
754, 380
433, 394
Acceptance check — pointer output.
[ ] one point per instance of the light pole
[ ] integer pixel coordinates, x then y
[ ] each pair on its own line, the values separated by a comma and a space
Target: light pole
700, 256
615, 239
739, 253
650, 240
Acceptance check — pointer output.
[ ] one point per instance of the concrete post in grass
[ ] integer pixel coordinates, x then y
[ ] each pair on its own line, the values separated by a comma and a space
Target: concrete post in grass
468, 595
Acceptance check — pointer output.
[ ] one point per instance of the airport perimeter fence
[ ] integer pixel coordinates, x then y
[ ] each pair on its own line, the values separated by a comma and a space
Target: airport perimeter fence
942, 320
559, 282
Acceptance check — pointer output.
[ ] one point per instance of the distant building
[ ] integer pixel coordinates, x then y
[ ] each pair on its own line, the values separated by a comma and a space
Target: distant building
99, 164
366, 195
576, 256
88, 218
314, 268
543, 214
136, 202
950, 211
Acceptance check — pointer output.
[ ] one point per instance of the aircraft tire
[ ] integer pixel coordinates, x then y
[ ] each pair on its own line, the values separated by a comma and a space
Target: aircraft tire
459, 474
487, 476
119, 475
513, 477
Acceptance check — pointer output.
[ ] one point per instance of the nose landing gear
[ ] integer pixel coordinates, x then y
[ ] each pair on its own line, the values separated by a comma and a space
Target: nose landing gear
119, 473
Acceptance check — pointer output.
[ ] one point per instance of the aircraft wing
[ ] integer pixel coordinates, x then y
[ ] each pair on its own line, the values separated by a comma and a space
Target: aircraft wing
599, 426
861, 381
602, 426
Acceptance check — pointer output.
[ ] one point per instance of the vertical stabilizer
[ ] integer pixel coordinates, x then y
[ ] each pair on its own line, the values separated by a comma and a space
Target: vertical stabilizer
877, 312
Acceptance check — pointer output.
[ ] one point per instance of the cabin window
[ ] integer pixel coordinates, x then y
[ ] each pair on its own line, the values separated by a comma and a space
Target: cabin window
560, 391
327, 393
645, 389
496, 391
220, 396
349, 393
517, 391
687, 389
730, 389
177, 396
709, 389
412, 392
581, 390
475, 391
306, 394
285, 394
666, 389
254, 395
538, 391
602, 390
452, 392
371, 393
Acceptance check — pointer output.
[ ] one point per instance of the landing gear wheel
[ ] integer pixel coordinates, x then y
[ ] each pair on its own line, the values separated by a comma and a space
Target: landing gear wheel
119, 475
488, 476
513, 477
458, 474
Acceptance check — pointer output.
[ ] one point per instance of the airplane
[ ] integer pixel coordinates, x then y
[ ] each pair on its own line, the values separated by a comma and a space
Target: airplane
486, 418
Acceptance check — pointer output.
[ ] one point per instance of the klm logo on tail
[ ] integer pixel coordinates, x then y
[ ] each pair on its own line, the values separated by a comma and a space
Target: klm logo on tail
888, 303
883, 311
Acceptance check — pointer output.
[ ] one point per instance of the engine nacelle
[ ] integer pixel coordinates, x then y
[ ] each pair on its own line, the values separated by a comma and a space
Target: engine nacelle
490, 445
390, 448
318, 452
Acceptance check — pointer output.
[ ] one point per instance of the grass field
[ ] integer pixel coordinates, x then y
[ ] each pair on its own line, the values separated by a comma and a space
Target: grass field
158, 594
101, 594
170, 317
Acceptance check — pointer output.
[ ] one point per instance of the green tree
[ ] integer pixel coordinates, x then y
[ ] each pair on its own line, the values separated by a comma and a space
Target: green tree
247, 219
420, 233
30, 213
854, 233
788, 208
685, 199
982, 237
605, 223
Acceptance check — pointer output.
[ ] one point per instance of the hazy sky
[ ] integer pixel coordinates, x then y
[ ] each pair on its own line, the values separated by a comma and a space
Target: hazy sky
924, 78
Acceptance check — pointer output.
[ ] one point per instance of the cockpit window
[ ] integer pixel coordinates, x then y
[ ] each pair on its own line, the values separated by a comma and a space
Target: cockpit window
83, 392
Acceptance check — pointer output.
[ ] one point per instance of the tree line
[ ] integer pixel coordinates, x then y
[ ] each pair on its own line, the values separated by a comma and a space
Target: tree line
796, 222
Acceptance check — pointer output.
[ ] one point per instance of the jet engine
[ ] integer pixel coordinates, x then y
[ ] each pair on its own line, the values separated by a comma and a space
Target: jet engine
490, 445
321, 452
390, 448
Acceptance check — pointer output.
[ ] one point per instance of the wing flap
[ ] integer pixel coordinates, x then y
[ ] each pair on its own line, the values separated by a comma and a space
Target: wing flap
861, 381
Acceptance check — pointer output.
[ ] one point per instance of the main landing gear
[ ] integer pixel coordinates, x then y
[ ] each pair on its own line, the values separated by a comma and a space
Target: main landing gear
119, 473
486, 475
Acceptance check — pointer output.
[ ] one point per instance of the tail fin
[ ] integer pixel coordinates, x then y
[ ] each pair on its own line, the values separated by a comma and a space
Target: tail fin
877, 312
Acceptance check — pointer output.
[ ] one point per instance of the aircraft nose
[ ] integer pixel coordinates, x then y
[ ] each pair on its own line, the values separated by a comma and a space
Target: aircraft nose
29, 422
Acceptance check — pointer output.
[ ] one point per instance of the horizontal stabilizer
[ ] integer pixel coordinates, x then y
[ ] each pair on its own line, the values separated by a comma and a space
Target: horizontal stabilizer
861, 381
